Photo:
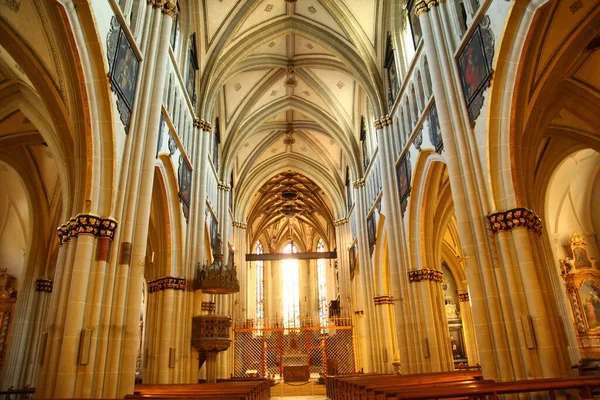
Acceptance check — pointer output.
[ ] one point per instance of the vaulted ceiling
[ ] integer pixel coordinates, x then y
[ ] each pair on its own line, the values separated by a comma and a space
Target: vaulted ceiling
289, 81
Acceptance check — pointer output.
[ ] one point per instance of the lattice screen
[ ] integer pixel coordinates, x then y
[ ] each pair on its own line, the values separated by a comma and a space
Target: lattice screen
268, 350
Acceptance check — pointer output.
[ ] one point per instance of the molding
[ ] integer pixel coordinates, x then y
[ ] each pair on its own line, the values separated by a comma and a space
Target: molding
166, 282
425, 274
44, 285
87, 224
515, 218
380, 300
223, 186
239, 224
341, 221
383, 121
358, 183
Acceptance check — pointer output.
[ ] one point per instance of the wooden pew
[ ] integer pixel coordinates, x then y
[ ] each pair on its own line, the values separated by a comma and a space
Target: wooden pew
231, 390
492, 391
359, 386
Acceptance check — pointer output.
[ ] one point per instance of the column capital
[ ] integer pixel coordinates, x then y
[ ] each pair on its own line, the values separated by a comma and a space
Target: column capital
463, 297
170, 8
239, 224
223, 186
44, 285
420, 7
515, 218
380, 300
358, 183
383, 121
166, 282
425, 274
87, 224
202, 124
341, 221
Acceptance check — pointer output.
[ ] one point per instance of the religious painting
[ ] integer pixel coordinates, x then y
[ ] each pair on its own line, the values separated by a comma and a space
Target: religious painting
162, 125
353, 255
392, 74
475, 66
589, 295
185, 185
372, 231
192, 68
349, 189
213, 228
403, 172
363, 140
124, 66
457, 344
415, 24
435, 132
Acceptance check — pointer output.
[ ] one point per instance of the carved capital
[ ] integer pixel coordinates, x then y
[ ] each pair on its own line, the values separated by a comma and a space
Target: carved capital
341, 222
166, 282
383, 121
463, 297
421, 7
87, 224
239, 224
170, 8
223, 186
44, 285
380, 300
358, 183
515, 218
425, 274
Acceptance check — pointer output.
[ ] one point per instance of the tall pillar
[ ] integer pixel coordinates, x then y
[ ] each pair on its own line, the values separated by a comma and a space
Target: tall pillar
504, 312
369, 352
466, 316
398, 255
343, 239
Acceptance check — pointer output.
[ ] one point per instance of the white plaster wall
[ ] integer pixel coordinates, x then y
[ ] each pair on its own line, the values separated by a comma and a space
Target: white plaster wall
15, 223
571, 205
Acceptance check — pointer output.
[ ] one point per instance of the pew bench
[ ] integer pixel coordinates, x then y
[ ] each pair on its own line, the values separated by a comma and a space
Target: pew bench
231, 390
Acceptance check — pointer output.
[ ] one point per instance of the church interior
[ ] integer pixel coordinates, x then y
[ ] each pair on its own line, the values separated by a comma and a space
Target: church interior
289, 191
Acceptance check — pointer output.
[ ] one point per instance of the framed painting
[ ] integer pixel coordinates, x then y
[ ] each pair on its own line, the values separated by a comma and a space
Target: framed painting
372, 231
457, 344
475, 66
435, 132
185, 185
353, 257
589, 295
124, 67
392, 74
404, 172
415, 24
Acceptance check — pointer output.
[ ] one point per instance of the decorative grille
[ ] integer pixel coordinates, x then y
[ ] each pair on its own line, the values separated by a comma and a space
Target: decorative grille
265, 352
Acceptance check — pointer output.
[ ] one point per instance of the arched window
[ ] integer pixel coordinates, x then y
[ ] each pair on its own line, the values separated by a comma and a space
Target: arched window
322, 286
290, 290
260, 288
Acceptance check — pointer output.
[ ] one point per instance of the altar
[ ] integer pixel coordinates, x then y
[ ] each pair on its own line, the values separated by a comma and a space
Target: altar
296, 373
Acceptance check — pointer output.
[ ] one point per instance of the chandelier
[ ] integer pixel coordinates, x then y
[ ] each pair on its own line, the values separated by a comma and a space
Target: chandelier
217, 278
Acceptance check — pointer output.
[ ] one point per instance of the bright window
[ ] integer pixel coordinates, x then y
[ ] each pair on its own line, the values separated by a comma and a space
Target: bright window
260, 294
290, 289
322, 283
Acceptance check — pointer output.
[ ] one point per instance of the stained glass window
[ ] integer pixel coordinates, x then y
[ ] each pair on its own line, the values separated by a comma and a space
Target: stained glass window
290, 290
260, 286
322, 285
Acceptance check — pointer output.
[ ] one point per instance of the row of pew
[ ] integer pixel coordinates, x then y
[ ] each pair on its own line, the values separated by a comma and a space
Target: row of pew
226, 389
455, 384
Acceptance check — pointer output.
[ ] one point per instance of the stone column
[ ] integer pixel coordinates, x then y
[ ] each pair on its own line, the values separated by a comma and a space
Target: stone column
466, 316
398, 261
502, 309
343, 240
369, 352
